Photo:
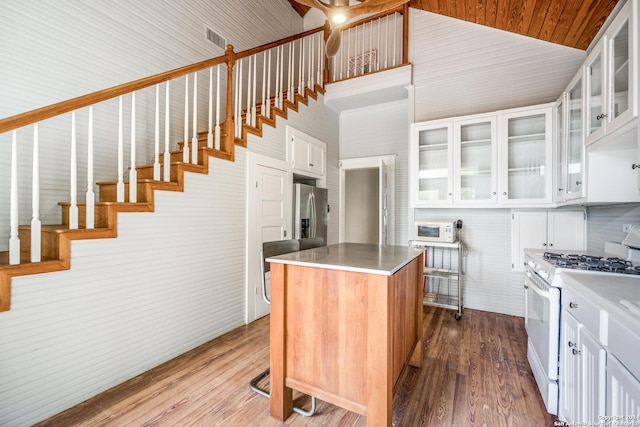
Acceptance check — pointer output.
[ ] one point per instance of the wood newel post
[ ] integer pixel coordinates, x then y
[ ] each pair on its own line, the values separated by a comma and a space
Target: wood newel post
405, 33
325, 74
228, 142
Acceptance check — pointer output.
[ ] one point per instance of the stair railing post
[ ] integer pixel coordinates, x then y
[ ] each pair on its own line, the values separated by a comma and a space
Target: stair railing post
210, 113
14, 240
185, 143
325, 74
229, 138
120, 184
217, 140
167, 136
36, 225
156, 150
194, 139
405, 33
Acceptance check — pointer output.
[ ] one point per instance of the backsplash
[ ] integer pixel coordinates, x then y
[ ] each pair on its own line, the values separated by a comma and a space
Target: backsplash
604, 223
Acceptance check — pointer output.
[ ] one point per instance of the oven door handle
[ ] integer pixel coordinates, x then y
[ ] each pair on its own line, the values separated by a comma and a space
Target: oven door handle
537, 289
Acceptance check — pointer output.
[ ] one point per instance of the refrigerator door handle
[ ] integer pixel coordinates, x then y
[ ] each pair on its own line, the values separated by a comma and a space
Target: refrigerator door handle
312, 232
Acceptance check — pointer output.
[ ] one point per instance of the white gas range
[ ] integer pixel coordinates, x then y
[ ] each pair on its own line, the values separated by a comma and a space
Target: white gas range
543, 285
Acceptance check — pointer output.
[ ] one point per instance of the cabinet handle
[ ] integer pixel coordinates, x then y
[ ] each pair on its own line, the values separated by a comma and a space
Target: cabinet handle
601, 116
311, 164
504, 194
573, 305
493, 193
560, 190
576, 352
544, 244
578, 182
550, 245
572, 344
635, 166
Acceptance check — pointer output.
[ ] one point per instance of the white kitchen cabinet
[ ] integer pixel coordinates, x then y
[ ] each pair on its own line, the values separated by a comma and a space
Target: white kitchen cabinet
560, 147
612, 76
526, 150
306, 154
431, 176
582, 370
623, 392
475, 158
547, 230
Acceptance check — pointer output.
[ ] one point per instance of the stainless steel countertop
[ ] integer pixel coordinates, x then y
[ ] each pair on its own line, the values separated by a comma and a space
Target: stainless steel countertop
356, 257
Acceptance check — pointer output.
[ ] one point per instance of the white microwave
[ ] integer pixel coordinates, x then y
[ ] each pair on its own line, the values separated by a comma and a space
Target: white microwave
435, 232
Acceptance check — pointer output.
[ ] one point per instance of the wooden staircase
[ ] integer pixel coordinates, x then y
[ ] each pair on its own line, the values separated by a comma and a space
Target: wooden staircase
56, 248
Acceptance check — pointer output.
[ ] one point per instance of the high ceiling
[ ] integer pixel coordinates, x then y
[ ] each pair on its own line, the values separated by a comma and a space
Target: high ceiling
572, 23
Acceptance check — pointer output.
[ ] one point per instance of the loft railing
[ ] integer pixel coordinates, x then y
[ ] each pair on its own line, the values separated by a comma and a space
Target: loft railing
207, 104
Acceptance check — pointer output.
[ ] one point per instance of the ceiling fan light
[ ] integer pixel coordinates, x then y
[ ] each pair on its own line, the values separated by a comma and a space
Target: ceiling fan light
338, 18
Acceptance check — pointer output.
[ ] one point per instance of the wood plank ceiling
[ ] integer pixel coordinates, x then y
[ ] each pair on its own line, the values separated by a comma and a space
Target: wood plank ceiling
572, 23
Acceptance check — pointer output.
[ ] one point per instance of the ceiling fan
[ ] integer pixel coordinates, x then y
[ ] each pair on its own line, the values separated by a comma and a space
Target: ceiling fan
338, 12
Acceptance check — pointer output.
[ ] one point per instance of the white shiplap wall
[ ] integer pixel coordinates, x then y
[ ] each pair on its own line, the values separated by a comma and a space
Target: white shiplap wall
463, 68
604, 223
171, 280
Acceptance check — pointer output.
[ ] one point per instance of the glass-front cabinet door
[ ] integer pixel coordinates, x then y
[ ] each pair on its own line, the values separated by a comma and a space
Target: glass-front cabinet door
433, 163
575, 148
475, 161
611, 77
596, 115
526, 154
560, 146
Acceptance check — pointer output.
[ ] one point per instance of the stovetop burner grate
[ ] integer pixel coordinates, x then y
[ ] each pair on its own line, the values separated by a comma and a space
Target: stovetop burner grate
592, 263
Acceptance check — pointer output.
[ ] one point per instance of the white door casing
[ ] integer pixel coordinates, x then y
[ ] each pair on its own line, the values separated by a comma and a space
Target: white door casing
268, 219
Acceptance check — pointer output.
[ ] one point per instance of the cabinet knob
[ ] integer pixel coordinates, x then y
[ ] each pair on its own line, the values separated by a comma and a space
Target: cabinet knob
601, 116
550, 245
544, 244
311, 164
572, 344
504, 193
450, 194
573, 305
493, 193
560, 190
575, 352
578, 182
635, 166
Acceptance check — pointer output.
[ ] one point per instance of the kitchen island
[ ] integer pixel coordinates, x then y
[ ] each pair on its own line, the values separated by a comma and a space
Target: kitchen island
345, 320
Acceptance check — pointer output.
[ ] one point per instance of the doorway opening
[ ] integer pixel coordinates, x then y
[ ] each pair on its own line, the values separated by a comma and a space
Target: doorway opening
367, 193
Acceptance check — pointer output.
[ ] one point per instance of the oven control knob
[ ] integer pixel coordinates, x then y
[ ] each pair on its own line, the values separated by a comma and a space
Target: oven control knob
531, 264
543, 274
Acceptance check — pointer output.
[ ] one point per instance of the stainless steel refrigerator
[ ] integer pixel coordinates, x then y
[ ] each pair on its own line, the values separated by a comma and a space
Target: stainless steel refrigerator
310, 212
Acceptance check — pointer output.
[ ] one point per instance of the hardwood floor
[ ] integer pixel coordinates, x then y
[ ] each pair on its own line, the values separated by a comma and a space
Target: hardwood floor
475, 373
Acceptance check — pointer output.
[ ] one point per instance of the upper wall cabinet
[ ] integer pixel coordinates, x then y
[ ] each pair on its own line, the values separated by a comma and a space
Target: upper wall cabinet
431, 175
306, 154
526, 166
611, 76
483, 160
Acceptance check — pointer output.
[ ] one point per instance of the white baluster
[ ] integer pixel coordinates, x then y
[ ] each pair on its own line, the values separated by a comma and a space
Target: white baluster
90, 197
290, 74
185, 143
370, 46
73, 208
247, 114
133, 173
253, 92
239, 121
343, 52
395, 37
268, 98
120, 184
319, 77
301, 69
167, 136
279, 76
36, 225
217, 137
14, 240
349, 53
379, 27
363, 41
210, 115
156, 152
263, 106
310, 83
236, 100
194, 140
386, 42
